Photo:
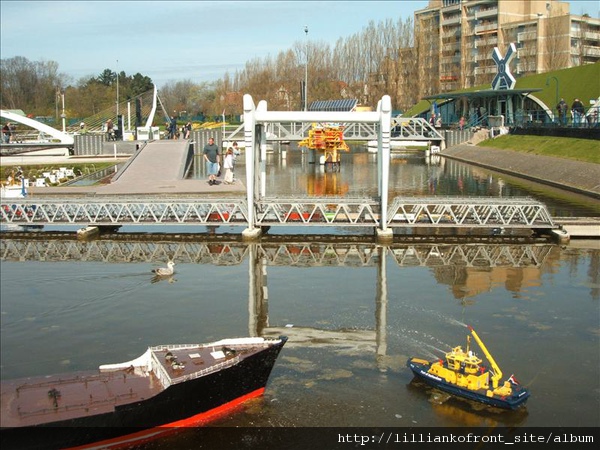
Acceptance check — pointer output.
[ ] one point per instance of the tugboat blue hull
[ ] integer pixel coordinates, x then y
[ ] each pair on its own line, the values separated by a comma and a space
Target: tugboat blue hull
514, 401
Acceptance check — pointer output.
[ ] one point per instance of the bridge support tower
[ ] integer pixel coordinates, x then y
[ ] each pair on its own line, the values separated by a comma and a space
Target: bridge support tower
257, 117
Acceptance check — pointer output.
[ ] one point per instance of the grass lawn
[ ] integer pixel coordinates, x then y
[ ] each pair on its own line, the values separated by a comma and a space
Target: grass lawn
587, 150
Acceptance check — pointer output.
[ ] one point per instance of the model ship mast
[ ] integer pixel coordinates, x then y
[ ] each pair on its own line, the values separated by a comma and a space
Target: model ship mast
497, 372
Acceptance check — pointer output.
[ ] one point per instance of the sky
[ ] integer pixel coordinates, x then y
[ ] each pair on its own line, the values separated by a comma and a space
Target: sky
185, 40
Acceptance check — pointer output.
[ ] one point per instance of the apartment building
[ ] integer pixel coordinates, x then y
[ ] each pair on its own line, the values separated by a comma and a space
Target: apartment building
455, 39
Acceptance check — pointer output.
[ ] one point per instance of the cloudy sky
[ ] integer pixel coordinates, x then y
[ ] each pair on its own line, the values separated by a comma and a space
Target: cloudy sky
177, 40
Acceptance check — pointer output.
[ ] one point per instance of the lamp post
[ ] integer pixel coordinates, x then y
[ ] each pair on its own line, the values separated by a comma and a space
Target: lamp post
306, 71
117, 90
63, 115
548, 84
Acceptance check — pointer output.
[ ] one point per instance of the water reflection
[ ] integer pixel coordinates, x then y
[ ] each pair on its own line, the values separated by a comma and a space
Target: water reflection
289, 172
354, 313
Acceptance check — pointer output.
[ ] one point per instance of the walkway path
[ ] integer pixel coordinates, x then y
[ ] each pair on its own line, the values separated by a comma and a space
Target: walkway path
158, 168
577, 176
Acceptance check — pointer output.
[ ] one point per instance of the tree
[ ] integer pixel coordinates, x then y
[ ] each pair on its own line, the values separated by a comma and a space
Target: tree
30, 86
107, 77
557, 44
138, 84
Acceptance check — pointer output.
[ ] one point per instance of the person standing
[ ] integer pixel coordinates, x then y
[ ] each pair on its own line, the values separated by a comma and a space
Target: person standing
236, 150
6, 132
172, 127
187, 130
228, 166
109, 130
212, 159
578, 110
562, 112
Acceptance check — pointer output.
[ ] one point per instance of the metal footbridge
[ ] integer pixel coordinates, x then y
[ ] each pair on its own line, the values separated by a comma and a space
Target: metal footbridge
323, 212
402, 128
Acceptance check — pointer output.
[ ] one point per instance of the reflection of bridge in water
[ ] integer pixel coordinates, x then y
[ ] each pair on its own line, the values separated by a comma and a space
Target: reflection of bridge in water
276, 254
448, 262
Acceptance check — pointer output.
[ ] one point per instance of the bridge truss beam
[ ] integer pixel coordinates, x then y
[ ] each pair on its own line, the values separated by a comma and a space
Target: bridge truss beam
409, 129
314, 211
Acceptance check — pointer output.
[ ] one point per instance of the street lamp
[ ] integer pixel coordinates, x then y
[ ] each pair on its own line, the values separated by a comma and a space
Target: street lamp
548, 84
63, 115
306, 71
117, 90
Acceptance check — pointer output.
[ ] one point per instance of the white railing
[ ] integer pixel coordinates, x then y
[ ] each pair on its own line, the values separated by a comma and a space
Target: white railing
311, 211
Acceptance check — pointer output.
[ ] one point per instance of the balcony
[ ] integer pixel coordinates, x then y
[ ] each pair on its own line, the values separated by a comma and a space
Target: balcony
492, 40
489, 12
484, 70
451, 7
527, 36
450, 60
451, 47
486, 27
451, 20
454, 32
591, 51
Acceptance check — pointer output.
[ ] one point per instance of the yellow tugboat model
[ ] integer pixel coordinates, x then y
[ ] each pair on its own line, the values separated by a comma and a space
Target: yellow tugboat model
464, 369
463, 373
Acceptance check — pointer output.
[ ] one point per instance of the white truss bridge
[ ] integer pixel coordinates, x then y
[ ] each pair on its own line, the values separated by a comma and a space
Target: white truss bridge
402, 128
404, 212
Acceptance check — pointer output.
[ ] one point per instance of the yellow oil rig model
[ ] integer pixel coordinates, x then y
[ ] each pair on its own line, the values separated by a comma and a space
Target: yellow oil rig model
462, 373
328, 139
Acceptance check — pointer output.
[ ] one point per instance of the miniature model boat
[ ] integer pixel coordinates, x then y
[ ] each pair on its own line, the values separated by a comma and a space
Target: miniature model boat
168, 387
464, 375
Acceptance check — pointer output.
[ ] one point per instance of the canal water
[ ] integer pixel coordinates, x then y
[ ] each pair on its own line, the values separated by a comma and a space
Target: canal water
354, 312
289, 172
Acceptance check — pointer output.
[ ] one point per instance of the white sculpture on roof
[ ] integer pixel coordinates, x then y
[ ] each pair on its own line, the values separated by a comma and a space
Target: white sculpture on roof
504, 78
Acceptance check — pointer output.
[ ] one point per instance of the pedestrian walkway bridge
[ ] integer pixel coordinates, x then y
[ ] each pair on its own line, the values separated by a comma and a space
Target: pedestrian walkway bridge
402, 129
403, 212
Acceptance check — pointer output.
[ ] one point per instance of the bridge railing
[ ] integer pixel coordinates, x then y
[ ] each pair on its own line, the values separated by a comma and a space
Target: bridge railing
311, 211
409, 128
336, 211
469, 212
105, 211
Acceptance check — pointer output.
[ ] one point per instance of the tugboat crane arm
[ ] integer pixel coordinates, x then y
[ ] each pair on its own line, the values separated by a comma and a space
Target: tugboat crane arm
497, 372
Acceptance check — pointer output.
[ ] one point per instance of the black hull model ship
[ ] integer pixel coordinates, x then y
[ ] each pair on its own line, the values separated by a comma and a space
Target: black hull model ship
463, 374
168, 387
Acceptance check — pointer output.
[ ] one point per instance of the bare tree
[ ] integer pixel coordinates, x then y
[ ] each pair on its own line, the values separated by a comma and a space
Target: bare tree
557, 43
28, 85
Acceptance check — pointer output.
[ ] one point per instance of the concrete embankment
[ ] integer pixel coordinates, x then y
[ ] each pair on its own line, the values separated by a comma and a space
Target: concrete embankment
576, 176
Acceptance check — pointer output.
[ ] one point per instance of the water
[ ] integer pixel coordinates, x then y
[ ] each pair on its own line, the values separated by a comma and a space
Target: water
289, 172
351, 328
353, 314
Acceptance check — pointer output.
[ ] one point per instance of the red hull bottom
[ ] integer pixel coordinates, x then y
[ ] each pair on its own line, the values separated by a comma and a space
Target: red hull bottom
171, 428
